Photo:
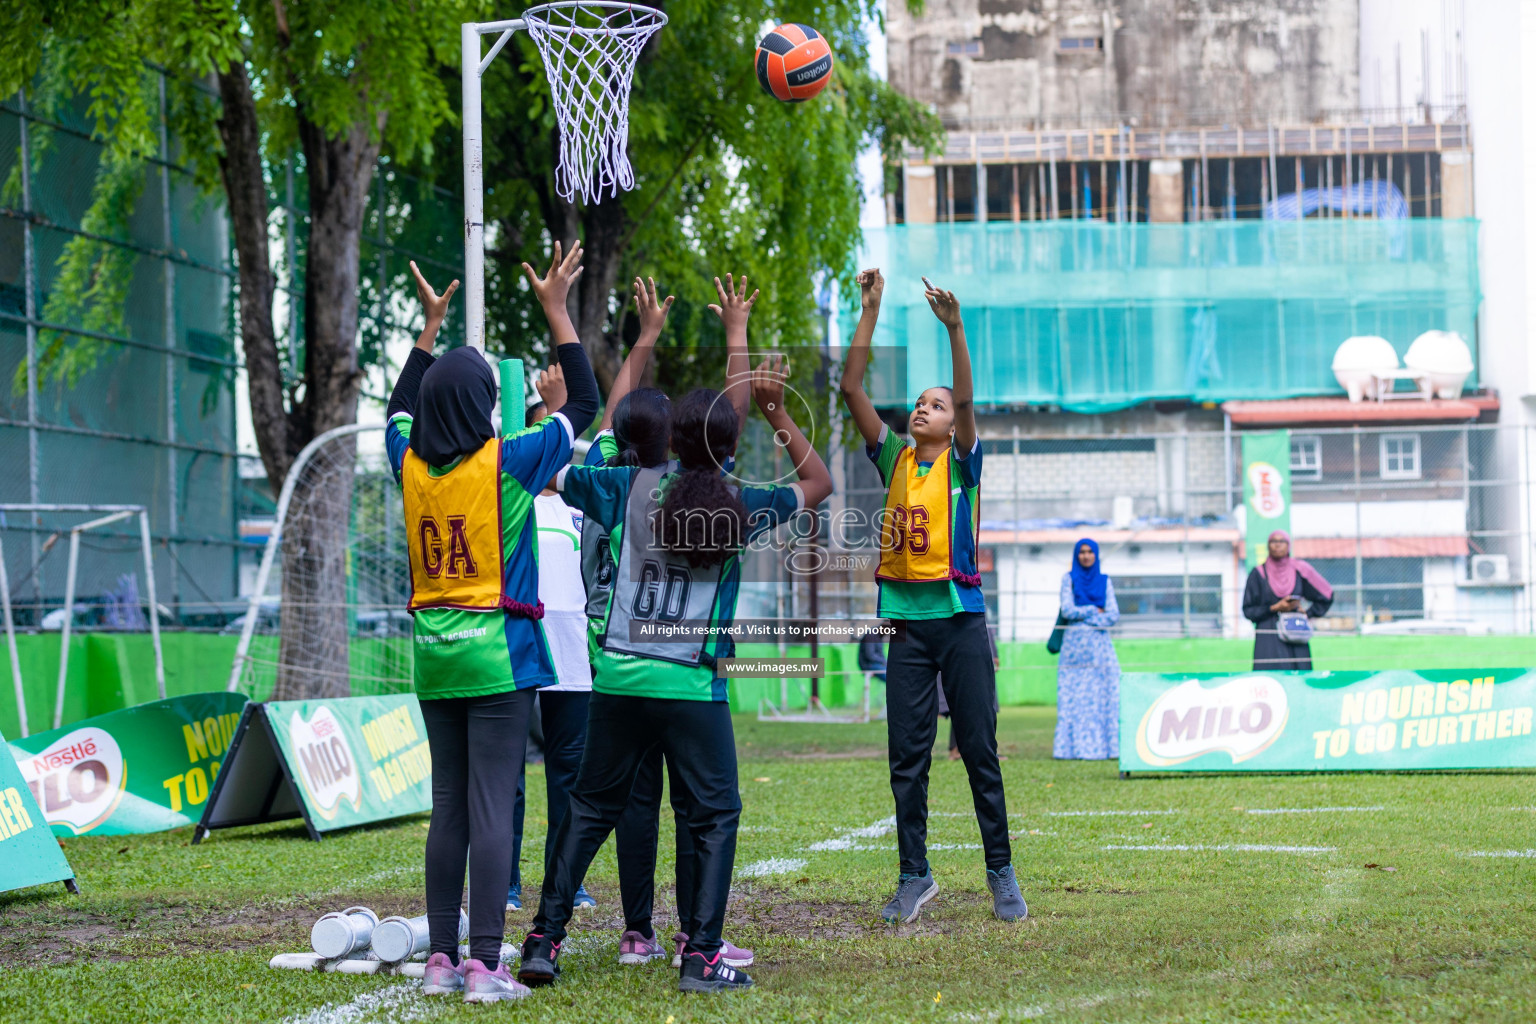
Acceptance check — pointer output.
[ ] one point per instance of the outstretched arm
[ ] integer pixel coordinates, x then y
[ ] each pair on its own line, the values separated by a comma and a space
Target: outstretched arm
734, 309
768, 389
653, 316
551, 289
435, 306
871, 287
947, 308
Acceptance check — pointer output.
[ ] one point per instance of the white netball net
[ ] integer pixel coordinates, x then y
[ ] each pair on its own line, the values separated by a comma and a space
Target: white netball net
589, 52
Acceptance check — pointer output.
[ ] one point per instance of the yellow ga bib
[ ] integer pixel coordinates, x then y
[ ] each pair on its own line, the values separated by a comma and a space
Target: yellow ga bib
914, 532
453, 530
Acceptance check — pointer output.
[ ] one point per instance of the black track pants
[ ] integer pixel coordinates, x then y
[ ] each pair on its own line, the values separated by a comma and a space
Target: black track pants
957, 647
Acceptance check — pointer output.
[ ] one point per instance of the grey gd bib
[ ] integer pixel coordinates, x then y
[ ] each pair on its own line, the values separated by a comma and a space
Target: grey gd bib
652, 585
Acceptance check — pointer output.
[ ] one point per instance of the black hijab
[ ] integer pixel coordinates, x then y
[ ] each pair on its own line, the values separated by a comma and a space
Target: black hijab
453, 409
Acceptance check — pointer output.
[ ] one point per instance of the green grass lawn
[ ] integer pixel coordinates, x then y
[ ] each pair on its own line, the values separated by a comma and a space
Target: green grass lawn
1384, 918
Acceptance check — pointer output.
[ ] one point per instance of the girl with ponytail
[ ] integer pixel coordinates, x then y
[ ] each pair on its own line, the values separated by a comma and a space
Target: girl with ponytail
677, 565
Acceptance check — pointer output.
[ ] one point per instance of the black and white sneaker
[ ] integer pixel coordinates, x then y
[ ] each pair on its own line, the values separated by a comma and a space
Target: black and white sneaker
912, 891
1007, 902
539, 962
710, 974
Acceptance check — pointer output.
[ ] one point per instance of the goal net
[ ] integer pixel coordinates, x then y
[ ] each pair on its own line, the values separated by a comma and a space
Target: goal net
327, 616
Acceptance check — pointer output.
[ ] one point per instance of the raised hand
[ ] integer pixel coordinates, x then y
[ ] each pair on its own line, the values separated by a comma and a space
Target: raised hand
435, 305
555, 285
735, 306
944, 304
768, 386
653, 315
871, 288
550, 385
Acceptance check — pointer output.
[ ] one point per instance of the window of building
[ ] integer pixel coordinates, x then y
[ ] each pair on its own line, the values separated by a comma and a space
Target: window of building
1390, 588
965, 48
1164, 595
1400, 457
1077, 43
956, 192
1306, 457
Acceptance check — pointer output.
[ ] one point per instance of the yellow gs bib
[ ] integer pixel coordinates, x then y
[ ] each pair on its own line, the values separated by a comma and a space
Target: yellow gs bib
453, 530
915, 537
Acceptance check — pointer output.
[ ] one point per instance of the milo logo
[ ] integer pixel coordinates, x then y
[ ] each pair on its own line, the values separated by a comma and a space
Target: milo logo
1268, 500
326, 765
1240, 718
78, 780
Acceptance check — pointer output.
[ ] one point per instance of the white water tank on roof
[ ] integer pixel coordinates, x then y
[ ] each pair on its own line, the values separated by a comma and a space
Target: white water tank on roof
1444, 358
1358, 360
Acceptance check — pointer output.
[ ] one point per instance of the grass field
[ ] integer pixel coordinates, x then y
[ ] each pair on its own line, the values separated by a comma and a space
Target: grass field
1166, 899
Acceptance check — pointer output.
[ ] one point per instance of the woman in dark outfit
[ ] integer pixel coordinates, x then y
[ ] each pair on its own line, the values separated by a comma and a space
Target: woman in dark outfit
1274, 587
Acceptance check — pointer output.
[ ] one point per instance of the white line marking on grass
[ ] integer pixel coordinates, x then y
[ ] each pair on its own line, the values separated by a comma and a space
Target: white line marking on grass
1228, 847
954, 846
1500, 853
1312, 810
396, 1003
771, 866
1105, 814
845, 841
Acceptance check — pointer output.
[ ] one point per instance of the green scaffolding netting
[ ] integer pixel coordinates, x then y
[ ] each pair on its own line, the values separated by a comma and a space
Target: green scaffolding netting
1094, 317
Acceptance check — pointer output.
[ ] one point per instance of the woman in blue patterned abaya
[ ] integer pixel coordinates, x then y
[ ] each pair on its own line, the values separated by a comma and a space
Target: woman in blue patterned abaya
1088, 675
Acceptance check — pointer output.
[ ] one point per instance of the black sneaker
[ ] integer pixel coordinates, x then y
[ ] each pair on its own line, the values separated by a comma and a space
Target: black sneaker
912, 891
538, 965
710, 974
1007, 902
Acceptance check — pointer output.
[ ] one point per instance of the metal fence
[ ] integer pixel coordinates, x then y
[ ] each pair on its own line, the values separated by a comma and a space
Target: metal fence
1419, 528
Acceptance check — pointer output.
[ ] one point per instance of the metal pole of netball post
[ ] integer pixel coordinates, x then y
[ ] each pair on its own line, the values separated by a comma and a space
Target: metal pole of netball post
471, 68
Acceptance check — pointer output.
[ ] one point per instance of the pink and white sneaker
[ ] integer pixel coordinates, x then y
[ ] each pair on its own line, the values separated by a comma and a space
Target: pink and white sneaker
483, 985
441, 978
635, 949
735, 956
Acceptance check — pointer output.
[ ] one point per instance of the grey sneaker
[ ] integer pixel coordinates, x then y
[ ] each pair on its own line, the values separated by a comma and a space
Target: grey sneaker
483, 985
1007, 902
912, 891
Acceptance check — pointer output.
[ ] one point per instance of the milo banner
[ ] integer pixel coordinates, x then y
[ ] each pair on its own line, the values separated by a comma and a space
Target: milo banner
1327, 721
1266, 489
143, 769
334, 763
29, 854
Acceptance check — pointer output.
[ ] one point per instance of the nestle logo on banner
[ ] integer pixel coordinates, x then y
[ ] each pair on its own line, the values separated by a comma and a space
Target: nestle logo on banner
327, 766
78, 780
1240, 718
49, 760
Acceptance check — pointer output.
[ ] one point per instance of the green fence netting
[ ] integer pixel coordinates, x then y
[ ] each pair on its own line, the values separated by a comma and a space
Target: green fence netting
1093, 317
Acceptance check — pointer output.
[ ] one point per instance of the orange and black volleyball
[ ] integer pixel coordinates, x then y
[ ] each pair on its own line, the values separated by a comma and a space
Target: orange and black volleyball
794, 62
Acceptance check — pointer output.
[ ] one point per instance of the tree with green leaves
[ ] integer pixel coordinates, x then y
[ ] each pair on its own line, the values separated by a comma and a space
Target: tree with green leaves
333, 82
727, 179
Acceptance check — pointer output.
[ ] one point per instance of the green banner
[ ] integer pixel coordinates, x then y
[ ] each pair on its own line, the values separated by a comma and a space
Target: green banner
1266, 489
144, 769
335, 763
29, 854
1327, 721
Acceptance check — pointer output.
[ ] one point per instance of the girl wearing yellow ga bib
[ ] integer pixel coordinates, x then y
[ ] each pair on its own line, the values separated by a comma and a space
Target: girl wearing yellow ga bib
930, 585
